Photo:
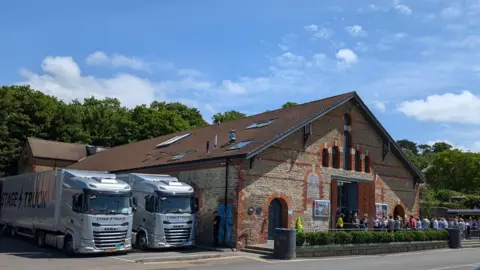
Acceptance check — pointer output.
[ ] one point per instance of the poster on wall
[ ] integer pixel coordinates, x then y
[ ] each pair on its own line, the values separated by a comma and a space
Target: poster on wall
321, 208
381, 210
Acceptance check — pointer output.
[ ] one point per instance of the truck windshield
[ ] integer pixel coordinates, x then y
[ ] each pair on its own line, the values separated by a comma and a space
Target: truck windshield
175, 205
109, 204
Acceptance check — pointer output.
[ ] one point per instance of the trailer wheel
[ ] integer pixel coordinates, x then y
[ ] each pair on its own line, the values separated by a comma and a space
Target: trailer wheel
141, 240
40, 239
68, 245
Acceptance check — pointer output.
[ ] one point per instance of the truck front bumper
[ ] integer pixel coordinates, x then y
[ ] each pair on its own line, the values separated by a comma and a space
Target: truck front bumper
88, 247
159, 241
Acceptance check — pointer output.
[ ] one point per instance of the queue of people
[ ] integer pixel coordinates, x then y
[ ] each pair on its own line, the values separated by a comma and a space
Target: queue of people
398, 223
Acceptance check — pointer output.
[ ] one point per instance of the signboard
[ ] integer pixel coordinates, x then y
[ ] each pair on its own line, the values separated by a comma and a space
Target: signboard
381, 210
321, 208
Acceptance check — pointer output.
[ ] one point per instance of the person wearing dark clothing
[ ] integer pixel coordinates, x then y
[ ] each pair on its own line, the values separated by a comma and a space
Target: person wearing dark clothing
216, 227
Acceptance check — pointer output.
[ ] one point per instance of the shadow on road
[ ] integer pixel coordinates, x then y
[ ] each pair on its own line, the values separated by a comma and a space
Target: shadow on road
25, 248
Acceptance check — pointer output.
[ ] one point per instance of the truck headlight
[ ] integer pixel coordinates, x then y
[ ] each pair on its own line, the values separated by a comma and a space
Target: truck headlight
128, 241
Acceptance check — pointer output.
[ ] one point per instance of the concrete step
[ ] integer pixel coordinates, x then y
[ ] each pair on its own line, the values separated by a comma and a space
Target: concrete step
258, 251
260, 248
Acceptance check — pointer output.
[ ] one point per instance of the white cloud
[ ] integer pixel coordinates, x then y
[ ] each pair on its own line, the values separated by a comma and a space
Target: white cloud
361, 47
403, 9
233, 88
62, 78
379, 105
346, 57
318, 31
447, 108
288, 41
290, 60
356, 30
450, 13
462, 148
99, 58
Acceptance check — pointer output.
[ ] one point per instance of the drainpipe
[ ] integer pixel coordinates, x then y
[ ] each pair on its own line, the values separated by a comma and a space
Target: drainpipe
225, 203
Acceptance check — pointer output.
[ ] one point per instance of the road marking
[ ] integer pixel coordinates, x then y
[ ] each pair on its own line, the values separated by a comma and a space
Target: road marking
121, 259
198, 260
454, 266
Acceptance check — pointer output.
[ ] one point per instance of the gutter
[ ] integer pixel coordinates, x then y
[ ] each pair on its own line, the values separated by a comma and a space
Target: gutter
182, 164
225, 203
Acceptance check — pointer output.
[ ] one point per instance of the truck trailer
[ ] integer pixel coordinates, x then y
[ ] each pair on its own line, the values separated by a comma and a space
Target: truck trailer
164, 211
76, 211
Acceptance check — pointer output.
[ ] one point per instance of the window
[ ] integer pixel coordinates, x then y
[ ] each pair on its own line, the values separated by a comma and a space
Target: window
260, 124
325, 157
347, 119
173, 140
181, 155
347, 155
358, 161
239, 145
150, 203
367, 164
336, 157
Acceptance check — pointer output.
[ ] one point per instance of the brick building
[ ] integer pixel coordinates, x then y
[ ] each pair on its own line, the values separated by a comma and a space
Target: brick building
311, 161
43, 155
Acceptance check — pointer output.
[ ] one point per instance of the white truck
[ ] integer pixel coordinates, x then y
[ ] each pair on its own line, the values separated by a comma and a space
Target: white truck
164, 211
77, 211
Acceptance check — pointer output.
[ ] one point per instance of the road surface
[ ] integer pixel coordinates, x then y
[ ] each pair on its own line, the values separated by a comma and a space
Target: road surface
20, 254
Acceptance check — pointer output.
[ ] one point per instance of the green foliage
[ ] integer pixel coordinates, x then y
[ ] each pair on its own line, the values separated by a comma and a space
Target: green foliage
289, 104
227, 116
25, 112
368, 237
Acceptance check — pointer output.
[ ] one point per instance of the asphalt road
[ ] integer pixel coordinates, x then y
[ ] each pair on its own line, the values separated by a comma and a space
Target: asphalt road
20, 254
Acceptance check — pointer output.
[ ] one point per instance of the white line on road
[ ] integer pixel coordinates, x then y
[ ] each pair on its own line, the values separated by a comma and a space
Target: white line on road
455, 266
121, 259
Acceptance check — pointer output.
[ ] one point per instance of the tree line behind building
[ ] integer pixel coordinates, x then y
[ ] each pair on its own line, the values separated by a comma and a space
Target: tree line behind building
25, 112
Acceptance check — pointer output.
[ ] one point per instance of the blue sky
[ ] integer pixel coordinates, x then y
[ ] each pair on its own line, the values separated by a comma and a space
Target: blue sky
415, 63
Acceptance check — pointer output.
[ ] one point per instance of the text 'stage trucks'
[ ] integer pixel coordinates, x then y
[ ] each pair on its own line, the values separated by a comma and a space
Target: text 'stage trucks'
77, 211
164, 211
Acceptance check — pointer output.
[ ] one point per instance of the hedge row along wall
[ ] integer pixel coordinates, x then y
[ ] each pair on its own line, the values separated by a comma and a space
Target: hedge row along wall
366, 237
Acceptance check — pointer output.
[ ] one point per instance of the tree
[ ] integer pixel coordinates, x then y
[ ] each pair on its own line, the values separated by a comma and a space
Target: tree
227, 116
440, 147
408, 145
191, 115
289, 104
455, 170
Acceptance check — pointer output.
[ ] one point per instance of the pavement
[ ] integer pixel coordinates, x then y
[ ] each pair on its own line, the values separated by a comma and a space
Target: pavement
21, 254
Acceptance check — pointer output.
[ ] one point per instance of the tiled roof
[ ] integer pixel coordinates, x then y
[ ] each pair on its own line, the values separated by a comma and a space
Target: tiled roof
146, 154
57, 150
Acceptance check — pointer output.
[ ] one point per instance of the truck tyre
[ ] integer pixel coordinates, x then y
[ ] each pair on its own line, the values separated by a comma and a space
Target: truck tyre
40, 239
68, 245
141, 240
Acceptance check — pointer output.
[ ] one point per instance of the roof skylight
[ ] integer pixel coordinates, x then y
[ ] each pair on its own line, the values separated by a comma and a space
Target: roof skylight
239, 145
260, 124
181, 155
173, 140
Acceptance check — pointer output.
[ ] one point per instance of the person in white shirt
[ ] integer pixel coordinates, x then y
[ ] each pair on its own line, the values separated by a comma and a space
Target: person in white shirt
435, 224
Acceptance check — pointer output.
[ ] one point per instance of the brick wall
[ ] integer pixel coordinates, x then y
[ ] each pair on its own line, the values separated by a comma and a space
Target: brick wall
208, 180
283, 170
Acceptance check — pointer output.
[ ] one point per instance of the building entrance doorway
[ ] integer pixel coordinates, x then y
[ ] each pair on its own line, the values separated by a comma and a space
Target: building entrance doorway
398, 211
347, 201
275, 217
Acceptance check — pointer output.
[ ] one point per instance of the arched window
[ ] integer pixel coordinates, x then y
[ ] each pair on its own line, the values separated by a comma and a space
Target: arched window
313, 186
347, 142
325, 157
358, 161
335, 157
347, 119
367, 164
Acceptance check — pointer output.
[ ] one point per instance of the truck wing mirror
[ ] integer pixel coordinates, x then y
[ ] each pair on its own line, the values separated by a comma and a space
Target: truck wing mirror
134, 201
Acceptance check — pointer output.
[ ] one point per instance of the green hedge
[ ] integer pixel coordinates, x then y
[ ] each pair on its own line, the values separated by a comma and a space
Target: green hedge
367, 237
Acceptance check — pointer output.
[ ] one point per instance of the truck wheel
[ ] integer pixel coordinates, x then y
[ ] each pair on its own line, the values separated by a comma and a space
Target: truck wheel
141, 240
68, 245
40, 239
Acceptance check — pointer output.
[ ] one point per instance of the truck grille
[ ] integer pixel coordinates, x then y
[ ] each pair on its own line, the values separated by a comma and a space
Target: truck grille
177, 235
105, 240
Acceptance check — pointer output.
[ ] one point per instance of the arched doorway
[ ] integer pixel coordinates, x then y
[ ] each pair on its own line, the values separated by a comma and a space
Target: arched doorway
275, 217
398, 211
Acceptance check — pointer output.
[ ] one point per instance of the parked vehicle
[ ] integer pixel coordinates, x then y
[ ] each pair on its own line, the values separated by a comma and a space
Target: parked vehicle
77, 211
164, 211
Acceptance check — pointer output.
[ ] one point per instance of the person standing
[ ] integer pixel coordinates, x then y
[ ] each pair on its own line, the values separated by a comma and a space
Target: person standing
216, 227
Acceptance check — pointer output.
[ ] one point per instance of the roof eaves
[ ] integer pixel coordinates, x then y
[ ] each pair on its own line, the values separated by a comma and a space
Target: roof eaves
180, 164
294, 129
392, 141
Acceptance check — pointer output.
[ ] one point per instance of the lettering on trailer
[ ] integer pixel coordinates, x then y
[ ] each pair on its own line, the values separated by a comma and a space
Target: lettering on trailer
23, 199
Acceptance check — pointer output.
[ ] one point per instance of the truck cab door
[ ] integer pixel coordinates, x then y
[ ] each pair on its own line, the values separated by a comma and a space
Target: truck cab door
149, 217
75, 221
